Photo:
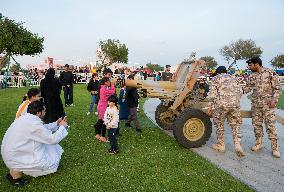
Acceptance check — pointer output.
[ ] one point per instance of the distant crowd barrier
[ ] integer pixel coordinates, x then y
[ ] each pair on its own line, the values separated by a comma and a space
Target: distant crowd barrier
17, 82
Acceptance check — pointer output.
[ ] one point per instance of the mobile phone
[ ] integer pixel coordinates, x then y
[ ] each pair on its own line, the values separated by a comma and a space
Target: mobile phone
63, 115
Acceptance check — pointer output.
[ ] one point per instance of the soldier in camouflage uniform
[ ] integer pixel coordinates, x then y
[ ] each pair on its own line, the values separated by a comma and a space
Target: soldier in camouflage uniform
266, 90
224, 97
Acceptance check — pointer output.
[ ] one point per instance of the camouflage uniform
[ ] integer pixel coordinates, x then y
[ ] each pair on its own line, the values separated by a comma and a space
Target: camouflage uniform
224, 96
265, 88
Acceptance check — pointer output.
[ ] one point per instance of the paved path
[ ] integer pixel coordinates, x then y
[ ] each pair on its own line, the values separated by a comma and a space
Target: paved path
258, 170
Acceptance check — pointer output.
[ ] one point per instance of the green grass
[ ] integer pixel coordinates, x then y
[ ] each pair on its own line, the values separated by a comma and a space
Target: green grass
280, 104
152, 162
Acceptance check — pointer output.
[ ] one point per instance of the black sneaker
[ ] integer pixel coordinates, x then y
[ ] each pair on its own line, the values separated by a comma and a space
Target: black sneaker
113, 152
17, 182
139, 130
128, 125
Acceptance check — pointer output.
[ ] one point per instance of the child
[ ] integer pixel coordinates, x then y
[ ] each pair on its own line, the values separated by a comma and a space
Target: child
93, 87
124, 111
159, 76
32, 95
111, 120
107, 89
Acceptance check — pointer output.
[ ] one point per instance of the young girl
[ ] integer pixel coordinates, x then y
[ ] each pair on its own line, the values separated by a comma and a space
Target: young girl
32, 95
107, 89
111, 120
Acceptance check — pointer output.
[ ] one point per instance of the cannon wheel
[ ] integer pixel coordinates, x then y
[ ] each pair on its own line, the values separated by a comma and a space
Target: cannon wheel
166, 123
192, 128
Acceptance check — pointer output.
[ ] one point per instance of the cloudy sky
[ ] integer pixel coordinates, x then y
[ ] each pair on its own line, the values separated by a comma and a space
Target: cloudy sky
160, 31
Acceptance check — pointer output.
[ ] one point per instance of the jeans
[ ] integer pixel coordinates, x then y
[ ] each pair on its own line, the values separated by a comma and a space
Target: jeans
112, 134
93, 101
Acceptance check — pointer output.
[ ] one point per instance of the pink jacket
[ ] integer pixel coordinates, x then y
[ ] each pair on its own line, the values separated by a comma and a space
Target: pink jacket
105, 92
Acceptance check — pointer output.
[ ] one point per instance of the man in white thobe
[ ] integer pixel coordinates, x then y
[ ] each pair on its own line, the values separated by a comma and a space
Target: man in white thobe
31, 147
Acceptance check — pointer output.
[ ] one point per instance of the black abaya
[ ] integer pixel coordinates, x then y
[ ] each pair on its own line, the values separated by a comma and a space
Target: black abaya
50, 91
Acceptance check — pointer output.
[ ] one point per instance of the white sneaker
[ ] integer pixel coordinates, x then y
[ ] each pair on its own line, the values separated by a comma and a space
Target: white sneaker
96, 113
88, 113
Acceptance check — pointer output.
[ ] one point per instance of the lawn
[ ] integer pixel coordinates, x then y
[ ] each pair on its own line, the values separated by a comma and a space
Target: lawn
151, 162
280, 104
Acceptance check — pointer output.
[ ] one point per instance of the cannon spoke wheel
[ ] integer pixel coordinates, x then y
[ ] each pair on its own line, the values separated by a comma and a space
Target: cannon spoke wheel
165, 122
192, 128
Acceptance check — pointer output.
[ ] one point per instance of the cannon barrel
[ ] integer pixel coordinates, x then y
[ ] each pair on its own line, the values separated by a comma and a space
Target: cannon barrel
147, 84
156, 89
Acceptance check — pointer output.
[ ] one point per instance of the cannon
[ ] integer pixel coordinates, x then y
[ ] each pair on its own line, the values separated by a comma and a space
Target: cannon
183, 103
183, 107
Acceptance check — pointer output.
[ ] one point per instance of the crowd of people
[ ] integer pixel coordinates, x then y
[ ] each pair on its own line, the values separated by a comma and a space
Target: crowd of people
31, 144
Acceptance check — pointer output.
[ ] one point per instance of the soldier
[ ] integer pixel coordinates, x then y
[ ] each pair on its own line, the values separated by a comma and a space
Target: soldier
167, 75
266, 90
225, 95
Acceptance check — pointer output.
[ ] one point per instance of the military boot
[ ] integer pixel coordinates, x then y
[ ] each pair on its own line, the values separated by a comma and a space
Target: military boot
238, 148
258, 144
219, 146
275, 148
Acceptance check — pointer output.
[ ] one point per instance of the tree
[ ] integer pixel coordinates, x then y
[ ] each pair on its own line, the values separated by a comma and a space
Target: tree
3, 61
112, 51
278, 61
16, 68
211, 63
154, 67
15, 39
240, 50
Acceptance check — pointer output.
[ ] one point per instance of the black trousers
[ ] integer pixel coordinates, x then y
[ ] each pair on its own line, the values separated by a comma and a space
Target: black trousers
112, 136
133, 117
100, 128
68, 94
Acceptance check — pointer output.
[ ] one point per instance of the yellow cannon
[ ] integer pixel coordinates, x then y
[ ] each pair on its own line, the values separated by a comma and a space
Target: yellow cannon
183, 101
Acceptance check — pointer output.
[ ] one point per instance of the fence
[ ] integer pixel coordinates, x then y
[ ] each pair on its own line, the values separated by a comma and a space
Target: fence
21, 81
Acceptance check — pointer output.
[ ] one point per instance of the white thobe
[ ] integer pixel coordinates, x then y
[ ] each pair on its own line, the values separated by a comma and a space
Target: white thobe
32, 147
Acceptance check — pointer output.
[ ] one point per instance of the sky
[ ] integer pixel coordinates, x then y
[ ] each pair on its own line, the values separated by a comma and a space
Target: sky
157, 31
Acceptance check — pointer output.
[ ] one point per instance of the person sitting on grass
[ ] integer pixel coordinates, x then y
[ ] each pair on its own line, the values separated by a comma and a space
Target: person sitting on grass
111, 121
32, 95
30, 147
107, 89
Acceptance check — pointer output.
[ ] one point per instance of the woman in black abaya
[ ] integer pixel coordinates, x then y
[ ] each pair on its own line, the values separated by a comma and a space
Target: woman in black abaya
50, 88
